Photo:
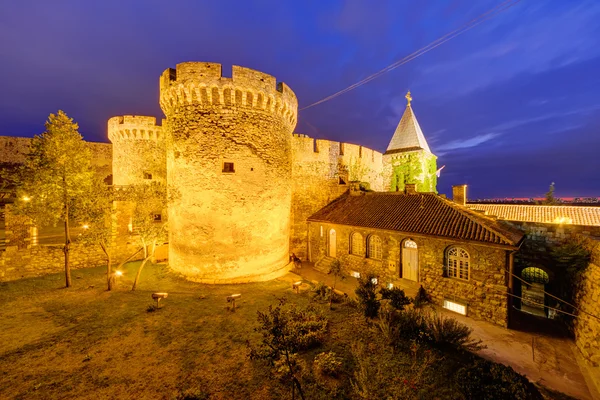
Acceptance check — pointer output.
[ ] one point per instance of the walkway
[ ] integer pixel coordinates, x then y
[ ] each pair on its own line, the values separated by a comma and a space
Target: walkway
553, 362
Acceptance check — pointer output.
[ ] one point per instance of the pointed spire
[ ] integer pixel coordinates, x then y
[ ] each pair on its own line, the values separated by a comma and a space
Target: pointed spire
408, 135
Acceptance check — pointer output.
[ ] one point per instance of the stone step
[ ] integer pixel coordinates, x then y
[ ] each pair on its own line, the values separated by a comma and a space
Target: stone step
324, 264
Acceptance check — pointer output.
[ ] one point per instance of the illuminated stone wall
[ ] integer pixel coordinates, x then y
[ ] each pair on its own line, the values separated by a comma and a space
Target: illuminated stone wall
484, 293
22, 259
322, 171
138, 150
228, 226
414, 167
587, 299
15, 149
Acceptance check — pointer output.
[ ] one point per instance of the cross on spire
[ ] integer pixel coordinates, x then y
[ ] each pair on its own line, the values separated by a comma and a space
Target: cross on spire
408, 98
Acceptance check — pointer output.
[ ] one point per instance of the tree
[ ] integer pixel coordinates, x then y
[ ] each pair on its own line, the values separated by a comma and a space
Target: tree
336, 270
149, 219
286, 330
550, 199
96, 216
55, 178
367, 296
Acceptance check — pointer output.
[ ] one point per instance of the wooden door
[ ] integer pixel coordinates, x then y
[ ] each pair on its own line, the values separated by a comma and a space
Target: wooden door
332, 243
410, 263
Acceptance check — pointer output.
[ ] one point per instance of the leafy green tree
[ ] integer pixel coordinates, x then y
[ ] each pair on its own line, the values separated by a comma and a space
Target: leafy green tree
336, 270
96, 213
149, 219
550, 199
55, 178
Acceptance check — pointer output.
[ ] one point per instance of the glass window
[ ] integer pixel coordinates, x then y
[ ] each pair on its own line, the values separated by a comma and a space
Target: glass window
458, 263
357, 246
375, 247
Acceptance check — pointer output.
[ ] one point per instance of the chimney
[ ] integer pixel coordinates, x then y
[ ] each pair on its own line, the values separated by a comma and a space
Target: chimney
459, 194
410, 188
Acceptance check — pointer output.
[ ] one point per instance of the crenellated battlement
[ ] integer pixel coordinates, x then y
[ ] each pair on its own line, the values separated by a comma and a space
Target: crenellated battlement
309, 149
134, 127
202, 83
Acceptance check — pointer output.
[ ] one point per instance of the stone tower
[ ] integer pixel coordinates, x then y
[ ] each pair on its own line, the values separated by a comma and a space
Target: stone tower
138, 150
229, 171
408, 159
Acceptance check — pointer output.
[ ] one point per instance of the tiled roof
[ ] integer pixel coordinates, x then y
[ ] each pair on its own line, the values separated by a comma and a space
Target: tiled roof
408, 134
420, 213
588, 216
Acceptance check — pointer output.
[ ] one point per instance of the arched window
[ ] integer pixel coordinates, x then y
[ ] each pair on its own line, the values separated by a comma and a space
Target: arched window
458, 263
410, 244
374, 246
357, 244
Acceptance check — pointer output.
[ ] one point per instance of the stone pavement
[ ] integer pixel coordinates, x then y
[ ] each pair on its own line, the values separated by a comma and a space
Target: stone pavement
553, 362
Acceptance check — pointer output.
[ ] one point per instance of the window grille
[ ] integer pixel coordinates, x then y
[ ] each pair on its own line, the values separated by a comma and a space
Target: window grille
375, 251
458, 263
357, 246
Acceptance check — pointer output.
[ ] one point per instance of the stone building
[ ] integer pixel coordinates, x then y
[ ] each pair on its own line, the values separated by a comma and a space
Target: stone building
244, 182
461, 258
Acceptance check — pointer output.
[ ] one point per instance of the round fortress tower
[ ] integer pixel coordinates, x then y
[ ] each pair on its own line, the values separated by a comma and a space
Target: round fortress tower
229, 169
138, 149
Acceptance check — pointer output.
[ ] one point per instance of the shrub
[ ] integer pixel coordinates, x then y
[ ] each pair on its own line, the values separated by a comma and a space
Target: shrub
396, 297
367, 297
321, 291
193, 394
421, 298
281, 368
411, 324
328, 363
488, 380
445, 331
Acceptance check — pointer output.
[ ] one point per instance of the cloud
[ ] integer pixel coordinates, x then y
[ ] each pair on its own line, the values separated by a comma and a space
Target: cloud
465, 143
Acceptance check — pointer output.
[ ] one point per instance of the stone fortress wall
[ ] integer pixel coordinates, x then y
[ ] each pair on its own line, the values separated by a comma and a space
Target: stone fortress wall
138, 153
15, 149
229, 158
321, 172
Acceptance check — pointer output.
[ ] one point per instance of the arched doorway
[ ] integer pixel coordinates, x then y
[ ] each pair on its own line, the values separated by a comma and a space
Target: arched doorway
410, 260
332, 243
532, 293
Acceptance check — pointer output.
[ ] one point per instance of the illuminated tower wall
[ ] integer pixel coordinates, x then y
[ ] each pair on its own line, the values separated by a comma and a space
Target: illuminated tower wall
229, 166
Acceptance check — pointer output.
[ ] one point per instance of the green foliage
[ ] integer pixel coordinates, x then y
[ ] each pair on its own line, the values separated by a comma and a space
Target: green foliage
95, 211
396, 297
57, 173
320, 291
448, 332
421, 298
572, 256
328, 363
410, 167
550, 199
488, 380
288, 329
367, 296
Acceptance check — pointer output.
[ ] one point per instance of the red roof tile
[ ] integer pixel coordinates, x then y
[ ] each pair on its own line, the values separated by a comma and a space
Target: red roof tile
421, 213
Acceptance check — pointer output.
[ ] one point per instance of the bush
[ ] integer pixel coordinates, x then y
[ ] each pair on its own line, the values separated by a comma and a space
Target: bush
193, 394
328, 363
281, 368
421, 298
411, 324
321, 291
367, 297
445, 331
396, 297
488, 380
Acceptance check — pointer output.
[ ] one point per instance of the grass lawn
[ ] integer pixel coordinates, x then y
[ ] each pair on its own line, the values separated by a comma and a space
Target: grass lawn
87, 343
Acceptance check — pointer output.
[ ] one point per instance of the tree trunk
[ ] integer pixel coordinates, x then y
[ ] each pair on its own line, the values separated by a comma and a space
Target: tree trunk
67, 248
109, 277
129, 258
148, 255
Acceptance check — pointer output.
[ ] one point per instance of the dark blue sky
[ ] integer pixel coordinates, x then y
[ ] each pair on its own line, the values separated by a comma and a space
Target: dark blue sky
508, 107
